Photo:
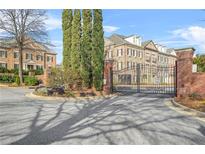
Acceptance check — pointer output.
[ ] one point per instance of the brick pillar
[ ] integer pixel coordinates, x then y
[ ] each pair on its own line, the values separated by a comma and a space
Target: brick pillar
107, 86
184, 71
47, 73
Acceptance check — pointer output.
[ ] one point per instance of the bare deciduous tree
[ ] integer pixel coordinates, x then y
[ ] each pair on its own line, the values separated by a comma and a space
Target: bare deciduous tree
21, 26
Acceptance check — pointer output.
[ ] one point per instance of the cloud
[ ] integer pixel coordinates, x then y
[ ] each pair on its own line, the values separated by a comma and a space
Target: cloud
194, 35
110, 29
53, 23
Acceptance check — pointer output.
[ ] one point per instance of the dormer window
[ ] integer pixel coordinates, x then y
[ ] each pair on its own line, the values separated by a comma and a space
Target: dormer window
136, 40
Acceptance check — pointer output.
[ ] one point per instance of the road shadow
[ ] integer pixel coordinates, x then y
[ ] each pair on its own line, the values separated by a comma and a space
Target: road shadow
99, 119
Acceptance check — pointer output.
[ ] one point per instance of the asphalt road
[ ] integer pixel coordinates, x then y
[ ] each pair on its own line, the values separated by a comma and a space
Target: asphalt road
128, 119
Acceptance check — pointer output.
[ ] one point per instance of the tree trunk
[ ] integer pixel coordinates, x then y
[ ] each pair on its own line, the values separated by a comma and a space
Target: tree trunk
21, 64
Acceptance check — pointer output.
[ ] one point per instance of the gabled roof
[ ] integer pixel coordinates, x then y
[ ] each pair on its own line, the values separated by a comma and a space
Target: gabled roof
133, 35
118, 39
29, 44
183, 49
145, 43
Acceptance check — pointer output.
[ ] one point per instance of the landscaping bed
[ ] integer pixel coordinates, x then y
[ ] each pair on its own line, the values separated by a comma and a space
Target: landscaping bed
193, 103
61, 92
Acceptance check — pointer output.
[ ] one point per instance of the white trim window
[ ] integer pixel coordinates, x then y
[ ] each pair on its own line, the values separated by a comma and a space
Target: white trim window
16, 54
120, 65
137, 53
119, 52
129, 52
109, 54
3, 54
129, 65
16, 66
141, 54
134, 64
29, 56
3, 65
38, 67
133, 52
39, 57
49, 59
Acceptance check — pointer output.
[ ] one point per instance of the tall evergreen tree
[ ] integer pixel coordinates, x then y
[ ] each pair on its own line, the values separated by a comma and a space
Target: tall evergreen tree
86, 48
75, 43
97, 49
67, 27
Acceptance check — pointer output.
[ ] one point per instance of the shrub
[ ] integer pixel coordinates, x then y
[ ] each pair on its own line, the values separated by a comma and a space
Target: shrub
60, 78
15, 71
17, 80
3, 70
6, 78
30, 80
39, 72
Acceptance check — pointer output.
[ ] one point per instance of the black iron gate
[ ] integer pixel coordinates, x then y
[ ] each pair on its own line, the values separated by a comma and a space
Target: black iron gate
145, 79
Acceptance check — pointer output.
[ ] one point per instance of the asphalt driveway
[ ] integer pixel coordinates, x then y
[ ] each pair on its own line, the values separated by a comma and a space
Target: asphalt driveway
128, 119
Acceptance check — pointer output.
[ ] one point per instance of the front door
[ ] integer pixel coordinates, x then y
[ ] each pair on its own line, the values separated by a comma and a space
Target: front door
30, 67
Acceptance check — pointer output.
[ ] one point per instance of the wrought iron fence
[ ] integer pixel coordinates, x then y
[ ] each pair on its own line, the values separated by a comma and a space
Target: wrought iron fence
145, 79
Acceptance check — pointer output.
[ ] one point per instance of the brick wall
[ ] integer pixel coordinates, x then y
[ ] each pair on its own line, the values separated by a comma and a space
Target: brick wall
198, 83
188, 82
107, 86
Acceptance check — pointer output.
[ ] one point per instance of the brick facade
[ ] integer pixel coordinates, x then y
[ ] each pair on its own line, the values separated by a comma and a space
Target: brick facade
35, 56
188, 82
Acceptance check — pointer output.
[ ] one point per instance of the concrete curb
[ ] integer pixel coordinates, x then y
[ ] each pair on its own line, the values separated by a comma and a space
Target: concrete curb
197, 113
26, 87
32, 95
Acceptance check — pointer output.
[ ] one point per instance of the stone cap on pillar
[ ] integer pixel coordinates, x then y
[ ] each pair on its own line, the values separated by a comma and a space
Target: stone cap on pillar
184, 53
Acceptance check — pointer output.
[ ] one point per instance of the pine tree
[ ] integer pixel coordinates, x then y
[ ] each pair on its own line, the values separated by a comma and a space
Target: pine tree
86, 48
97, 49
75, 43
67, 27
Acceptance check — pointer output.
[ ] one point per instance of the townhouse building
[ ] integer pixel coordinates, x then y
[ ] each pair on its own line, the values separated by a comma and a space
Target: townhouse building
35, 56
128, 51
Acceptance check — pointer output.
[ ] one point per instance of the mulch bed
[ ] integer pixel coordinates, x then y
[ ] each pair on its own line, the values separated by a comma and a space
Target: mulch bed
192, 103
59, 92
